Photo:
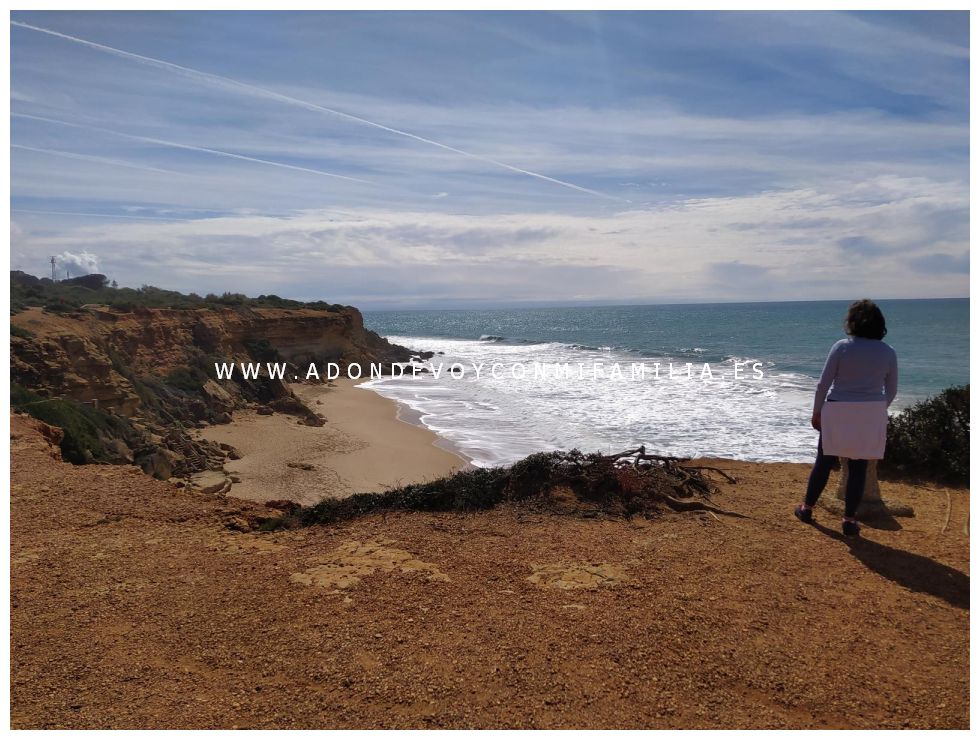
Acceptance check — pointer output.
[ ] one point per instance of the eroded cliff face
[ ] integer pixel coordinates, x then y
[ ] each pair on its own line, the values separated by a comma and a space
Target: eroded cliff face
154, 368
100, 355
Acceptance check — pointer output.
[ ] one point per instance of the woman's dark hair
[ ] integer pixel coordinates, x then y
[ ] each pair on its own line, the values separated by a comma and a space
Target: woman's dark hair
864, 319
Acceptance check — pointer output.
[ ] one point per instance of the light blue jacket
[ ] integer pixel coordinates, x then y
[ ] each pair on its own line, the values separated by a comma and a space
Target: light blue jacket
858, 369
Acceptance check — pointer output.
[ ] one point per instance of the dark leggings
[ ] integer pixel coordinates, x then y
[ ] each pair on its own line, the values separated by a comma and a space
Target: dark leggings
856, 472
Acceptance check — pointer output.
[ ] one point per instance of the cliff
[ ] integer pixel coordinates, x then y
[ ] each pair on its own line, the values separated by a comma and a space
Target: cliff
93, 354
150, 372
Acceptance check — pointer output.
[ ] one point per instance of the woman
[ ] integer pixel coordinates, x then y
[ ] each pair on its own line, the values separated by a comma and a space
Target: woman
861, 374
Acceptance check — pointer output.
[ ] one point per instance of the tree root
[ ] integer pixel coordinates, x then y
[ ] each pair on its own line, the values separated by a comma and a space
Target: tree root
679, 505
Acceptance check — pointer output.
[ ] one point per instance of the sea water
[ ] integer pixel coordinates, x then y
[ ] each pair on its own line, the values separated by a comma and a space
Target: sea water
497, 420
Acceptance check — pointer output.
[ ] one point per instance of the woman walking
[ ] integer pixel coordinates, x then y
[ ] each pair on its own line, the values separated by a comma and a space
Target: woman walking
861, 375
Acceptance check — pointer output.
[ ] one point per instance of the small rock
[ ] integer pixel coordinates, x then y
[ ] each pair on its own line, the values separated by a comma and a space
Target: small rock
238, 524
211, 482
230, 452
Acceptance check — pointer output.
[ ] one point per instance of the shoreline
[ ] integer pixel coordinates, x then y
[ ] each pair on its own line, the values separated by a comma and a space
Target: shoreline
365, 446
407, 415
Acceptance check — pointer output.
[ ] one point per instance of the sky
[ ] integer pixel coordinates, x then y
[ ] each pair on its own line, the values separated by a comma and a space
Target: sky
464, 159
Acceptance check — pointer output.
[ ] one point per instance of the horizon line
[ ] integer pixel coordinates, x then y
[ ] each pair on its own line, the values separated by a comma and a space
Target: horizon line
517, 305
695, 302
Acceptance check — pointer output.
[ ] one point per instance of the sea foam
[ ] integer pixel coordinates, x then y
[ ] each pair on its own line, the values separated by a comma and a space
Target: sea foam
498, 420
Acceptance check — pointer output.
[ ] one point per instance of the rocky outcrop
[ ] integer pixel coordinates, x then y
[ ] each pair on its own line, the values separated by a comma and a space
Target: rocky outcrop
69, 365
48, 440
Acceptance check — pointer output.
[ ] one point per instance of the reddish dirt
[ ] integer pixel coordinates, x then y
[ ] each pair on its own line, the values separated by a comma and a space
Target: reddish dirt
133, 605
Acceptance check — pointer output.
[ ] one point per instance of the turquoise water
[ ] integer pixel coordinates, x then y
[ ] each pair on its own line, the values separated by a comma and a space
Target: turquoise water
764, 419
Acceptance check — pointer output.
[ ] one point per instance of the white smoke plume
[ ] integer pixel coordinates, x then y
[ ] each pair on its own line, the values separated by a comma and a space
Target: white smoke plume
83, 263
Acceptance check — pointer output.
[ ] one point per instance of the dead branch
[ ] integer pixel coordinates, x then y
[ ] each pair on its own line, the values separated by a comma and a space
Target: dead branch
679, 505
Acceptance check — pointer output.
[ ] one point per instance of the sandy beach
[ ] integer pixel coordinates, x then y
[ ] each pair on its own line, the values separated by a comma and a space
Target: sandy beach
363, 447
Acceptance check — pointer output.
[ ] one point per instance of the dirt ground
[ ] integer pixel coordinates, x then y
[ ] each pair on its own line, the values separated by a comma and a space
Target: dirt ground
133, 605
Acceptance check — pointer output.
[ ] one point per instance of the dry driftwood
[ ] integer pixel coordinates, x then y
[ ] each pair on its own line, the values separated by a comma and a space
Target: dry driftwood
694, 488
640, 455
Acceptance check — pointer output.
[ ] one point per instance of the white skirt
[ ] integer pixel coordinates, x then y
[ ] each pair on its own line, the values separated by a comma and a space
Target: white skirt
855, 430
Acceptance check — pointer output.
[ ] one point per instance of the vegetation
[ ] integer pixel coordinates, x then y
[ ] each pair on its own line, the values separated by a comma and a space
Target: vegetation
191, 378
185, 379
85, 427
69, 295
19, 396
261, 350
19, 331
931, 440
626, 484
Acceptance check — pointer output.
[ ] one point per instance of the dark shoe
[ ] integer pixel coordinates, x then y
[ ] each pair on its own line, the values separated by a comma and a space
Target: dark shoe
850, 528
803, 514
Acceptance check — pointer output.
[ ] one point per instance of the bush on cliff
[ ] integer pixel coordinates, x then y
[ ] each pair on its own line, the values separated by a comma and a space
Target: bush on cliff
84, 426
569, 482
20, 331
931, 440
187, 379
19, 395
68, 295
468, 490
261, 350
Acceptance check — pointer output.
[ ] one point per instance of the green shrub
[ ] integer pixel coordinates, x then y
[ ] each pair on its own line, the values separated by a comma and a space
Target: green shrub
187, 379
81, 425
19, 395
590, 483
261, 350
931, 440
20, 331
64, 296
60, 305
481, 488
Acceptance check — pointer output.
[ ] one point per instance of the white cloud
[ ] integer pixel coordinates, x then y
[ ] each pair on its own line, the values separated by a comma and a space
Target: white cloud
725, 248
718, 186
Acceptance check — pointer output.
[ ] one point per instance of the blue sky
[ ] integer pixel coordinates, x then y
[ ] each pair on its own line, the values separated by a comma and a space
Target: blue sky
397, 159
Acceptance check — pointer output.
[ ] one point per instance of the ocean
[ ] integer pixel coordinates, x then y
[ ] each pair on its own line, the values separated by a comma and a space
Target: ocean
498, 420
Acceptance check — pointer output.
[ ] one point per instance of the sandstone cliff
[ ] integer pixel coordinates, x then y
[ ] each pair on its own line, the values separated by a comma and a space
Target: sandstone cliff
93, 354
154, 367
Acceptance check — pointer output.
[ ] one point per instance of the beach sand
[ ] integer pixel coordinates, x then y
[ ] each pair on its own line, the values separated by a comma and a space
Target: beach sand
364, 447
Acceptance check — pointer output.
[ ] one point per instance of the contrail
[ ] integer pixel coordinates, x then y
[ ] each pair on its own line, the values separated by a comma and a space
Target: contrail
273, 95
92, 158
188, 147
91, 215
